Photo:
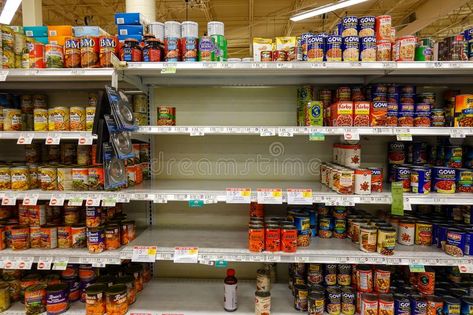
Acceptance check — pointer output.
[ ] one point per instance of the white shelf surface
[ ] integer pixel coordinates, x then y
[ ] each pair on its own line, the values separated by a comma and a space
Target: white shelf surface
289, 131
232, 246
192, 297
213, 191
63, 74
65, 135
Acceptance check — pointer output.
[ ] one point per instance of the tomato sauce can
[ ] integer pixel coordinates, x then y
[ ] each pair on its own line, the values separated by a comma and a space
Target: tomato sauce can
90, 52
443, 180
57, 299
376, 179
36, 56
288, 239
420, 180
423, 233
369, 304
386, 304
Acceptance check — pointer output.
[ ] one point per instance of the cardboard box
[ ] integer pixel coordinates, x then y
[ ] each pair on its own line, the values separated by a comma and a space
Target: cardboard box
125, 30
80, 31
59, 30
36, 31
361, 114
341, 114
44, 40
58, 40
123, 38
130, 19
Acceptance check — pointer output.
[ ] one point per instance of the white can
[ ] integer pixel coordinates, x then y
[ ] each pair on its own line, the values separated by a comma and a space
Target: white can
215, 28
262, 303
172, 29
157, 29
352, 155
362, 181
189, 29
406, 233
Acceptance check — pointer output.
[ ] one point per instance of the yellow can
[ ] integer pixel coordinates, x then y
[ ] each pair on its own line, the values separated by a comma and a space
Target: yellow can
77, 118
48, 178
64, 178
8, 43
141, 119
34, 176
89, 117
1, 116
12, 119
40, 119
59, 118
20, 178
5, 177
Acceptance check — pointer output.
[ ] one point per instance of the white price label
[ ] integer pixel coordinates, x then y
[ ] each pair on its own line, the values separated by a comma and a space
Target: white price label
3, 75
144, 253
404, 137
44, 263
351, 136
25, 138
53, 138
92, 201
457, 133
123, 198
466, 268
24, 263
76, 201
186, 255
267, 132
9, 263
56, 201
299, 197
9, 200
286, 132
169, 68
109, 202
269, 196
99, 263
160, 199
30, 200
238, 195
85, 139
197, 132
60, 263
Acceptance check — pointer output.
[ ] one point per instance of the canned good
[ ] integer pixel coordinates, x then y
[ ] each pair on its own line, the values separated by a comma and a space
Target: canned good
57, 298
301, 297
79, 237
369, 304
96, 239
36, 55
40, 119
90, 52
386, 304
420, 180
64, 179
166, 116
107, 47
77, 118
20, 178
334, 297
48, 236
456, 244
12, 119
434, 305
368, 237
386, 241
64, 237
54, 56
89, 118
316, 303
112, 237
152, 51
364, 278
423, 233
362, 181
35, 297
443, 180
129, 281
58, 118
72, 57
351, 48
20, 237
402, 305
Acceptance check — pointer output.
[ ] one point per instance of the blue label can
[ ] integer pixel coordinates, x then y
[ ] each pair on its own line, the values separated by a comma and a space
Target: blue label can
368, 48
420, 180
333, 48
349, 26
366, 26
402, 305
467, 305
351, 48
451, 305
456, 242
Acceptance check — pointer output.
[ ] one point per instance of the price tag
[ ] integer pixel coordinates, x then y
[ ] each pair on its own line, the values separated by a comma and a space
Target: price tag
316, 136
196, 203
25, 263
397, 205
60, 263
85, 139
109, 202
299, 197
56, 200
269, 196
197, 132
9, 263
160, 199
144, 253
186, 255
44, 263
466, 268
457, 133
404, 137
417, 268
351, 136
9, 200
30, 200
25, 138
238, 195
265, 132
169, 69
221, 264
99, 263
53, 138
92, 201
75, 201
285, 132
3, 75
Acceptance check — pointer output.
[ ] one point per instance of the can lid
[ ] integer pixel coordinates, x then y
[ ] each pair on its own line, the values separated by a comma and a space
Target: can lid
96, 288
116, 289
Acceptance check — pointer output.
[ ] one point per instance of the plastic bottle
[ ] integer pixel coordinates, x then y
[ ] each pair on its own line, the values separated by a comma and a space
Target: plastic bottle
230, 303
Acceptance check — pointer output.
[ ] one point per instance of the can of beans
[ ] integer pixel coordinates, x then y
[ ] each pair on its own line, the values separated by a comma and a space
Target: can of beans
451, 305
456, 244
288, 238
330, 274
316, 303
362, 181
423, 234
72, 55
364, 278
386, 304
262, 302
386, 241
166, 116
402, 305
369, 304
403, 174
90, 52
79, 237
48, 236
382, 279
301, 293
20, 237
348, 301
434, 305
334, 299
420, 180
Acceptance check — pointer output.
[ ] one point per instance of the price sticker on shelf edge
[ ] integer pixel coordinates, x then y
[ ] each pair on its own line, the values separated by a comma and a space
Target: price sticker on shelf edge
316, 136
417, 268
44, 263
75, 201
9, 200
30, 200
144, 253
404, 137
85, 139
53, 138
25, 138
186, 255
3, 75
60, 263
196, 203
24, 263
351, 136
109, 202
397, 195
269, 196
57, 201
299, 197
92, 201
238, 195
466, 268
169, 69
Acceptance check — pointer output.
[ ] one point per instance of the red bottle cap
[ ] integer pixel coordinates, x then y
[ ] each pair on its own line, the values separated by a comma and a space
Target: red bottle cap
230, 272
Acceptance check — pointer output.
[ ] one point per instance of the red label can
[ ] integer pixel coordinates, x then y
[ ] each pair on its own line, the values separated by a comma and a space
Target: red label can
364, 279
289, 239
89, 52
272, 237
256, 239
280, 55
386, 304
72, 52
108, 45
152, 50
37, 56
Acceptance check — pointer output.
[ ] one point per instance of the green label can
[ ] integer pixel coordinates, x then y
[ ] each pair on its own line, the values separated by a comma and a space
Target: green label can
221, 50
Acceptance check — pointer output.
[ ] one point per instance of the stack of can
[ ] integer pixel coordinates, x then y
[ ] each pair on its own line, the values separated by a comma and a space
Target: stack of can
263, 291
140, 109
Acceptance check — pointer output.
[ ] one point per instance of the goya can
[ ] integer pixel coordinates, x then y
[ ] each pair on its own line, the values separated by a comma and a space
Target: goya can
418, 305
333, 48
402, 305
376, 179
420, 180
443, 180
403, 174
351, 48
315, 48
366, 26
349, 26
368, 48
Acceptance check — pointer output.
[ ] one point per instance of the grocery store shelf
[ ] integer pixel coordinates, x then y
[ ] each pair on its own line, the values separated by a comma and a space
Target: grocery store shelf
65, 135
294, 73
213, 191
289, 131
192, 297
232, 246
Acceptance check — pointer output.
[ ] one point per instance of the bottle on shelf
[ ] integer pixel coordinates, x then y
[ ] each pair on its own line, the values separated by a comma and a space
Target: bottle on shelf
230, 303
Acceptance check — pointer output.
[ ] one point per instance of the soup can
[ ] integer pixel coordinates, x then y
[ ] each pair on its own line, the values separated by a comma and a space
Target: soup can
423, 233
420, 180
